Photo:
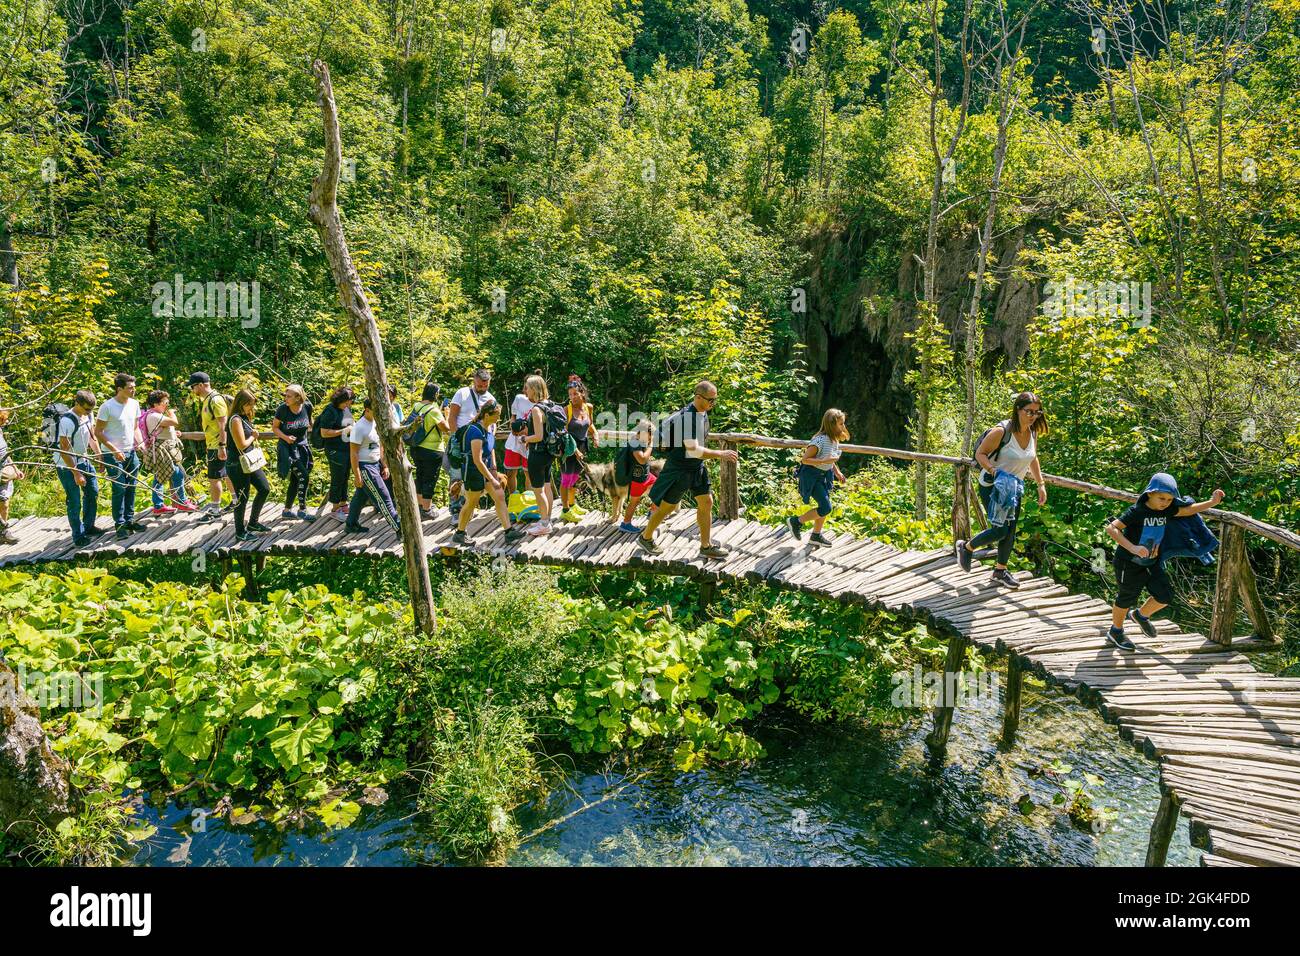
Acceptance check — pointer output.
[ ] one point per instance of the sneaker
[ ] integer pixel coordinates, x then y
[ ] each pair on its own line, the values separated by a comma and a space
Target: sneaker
94, 532
819, 539
185, 506
570, 517
351, 528
963, 555
460, 537
629, 528
1116, 636
714, 552
163, 511
515, 534
537, 529
305, 515
1136, 617
7, 537
648, 546
80, 541
123, 532
249, 535
1003, 577
136, 526
796, 527
259, 527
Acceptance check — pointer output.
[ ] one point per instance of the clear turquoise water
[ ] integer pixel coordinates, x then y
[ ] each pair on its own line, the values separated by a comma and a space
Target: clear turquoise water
823, 796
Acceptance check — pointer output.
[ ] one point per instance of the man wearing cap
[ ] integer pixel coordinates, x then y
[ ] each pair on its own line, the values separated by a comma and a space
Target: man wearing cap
213, 414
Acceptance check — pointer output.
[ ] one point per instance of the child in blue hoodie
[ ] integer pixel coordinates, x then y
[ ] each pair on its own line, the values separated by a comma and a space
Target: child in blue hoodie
1139, 532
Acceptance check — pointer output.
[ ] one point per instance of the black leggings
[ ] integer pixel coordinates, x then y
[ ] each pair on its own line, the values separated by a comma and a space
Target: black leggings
340, 478
243, 483
298, 478
1005, 536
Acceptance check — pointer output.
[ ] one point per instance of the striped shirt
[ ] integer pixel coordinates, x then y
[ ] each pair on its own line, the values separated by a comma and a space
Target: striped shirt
828, 448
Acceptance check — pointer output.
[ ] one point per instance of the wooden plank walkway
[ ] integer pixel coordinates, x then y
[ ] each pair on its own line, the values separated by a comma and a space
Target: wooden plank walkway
1227, 738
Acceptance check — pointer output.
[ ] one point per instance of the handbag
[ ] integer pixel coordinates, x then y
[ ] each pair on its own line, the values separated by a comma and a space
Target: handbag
252, 459
9, 473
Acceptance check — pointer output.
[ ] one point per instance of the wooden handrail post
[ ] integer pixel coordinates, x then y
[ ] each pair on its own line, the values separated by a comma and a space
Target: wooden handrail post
1162, 828
728, 503
1232, 553
937, 741
1011, 701
961, 503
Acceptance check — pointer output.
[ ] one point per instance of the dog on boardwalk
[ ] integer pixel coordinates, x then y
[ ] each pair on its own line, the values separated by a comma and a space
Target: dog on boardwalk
600, 477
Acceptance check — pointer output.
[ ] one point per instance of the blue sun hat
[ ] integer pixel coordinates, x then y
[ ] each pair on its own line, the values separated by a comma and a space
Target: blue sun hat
1161, 482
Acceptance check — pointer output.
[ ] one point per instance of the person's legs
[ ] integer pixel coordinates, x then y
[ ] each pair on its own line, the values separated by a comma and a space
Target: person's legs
156, 493
360, 497
179, 493
257, 480
704, 518
338, 496
240, 500
117, 475
467, 510
89, 497
291, 492
373, 479
993, 534
72, 499
630, 509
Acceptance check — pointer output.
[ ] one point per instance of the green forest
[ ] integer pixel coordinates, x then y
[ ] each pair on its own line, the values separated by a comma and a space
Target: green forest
909, 210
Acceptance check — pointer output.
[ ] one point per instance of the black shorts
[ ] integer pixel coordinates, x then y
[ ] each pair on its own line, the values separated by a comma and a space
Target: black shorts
673, 483
474, 480
540, 463
216, 466
427, 465
1133, 578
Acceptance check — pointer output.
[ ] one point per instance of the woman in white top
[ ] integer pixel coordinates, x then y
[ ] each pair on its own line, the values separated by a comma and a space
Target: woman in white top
1012, 447
160, 453
818, 473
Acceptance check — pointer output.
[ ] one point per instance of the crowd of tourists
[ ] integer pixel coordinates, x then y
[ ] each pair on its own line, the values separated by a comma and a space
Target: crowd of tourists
662, 463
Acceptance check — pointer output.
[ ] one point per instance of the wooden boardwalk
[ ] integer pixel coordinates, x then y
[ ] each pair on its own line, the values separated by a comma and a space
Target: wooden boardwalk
1227, 738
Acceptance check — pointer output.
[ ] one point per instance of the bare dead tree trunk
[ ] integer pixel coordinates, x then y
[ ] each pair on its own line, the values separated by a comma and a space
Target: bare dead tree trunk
324, 213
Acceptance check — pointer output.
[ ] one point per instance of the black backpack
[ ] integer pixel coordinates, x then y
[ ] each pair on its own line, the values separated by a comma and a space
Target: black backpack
1006, 437
456, 446
555, 429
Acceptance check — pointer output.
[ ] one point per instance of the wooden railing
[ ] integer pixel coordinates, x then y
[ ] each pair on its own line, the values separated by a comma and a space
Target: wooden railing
1234, 583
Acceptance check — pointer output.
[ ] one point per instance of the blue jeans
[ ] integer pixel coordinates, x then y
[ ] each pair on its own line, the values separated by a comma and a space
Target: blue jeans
178, 488
123, 474
83, 502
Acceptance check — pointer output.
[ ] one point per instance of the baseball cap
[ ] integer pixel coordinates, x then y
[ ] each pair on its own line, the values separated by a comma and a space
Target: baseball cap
199, 378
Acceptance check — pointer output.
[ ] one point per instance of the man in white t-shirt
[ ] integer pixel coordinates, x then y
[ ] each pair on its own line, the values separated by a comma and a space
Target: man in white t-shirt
76, 468
115, 432
516, 459
468, 400
369, 474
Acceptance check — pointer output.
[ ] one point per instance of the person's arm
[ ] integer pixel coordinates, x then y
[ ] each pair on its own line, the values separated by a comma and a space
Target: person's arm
987, 447
694, 449
276, 427
592, 435
442, 423
476, 449
453, 412
538, 426
65, 449
221, 437
237, 432
1036, 470
1189, 510
810, 457
354, 455
103, 439
642, 455
1116, 530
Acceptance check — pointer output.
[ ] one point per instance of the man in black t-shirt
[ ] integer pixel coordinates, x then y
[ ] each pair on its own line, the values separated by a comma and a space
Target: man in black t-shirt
685, 435
1138, 533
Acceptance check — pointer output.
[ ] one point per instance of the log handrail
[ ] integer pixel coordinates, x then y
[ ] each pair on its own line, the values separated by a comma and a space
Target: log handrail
1282, 536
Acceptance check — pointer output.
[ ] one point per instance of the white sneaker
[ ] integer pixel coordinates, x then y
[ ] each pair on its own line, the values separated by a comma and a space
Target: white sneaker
538, 528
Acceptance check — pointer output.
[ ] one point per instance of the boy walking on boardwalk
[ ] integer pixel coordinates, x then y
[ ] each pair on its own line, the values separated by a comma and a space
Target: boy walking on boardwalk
1138, 533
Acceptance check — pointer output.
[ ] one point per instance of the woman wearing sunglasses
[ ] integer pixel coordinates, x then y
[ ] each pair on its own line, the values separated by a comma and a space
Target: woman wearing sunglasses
1006, 453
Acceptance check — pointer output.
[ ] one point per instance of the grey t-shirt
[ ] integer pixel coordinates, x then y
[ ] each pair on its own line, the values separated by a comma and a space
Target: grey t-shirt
827, 447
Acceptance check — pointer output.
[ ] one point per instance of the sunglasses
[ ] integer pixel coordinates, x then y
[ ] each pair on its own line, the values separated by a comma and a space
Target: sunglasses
1032, 412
